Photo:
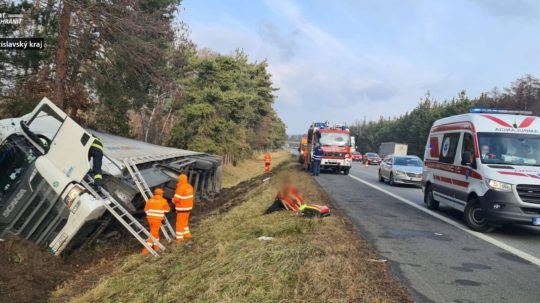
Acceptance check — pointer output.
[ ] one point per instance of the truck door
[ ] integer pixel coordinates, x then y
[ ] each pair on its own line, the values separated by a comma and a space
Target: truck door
65, 145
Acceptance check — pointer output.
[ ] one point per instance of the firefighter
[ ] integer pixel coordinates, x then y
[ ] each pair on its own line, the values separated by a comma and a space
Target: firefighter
317, 158
96, 154
183, 200
267, 161
155, 210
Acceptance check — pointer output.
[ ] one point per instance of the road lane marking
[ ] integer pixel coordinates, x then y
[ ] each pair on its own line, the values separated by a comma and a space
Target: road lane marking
526, 256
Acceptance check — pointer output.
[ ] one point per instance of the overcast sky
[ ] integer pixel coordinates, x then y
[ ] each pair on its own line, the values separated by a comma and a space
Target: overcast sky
346, 60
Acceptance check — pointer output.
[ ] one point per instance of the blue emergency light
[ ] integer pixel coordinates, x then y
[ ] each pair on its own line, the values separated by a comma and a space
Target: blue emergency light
479, 110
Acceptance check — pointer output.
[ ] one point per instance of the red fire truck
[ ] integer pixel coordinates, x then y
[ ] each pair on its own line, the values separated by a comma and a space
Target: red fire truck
336, 145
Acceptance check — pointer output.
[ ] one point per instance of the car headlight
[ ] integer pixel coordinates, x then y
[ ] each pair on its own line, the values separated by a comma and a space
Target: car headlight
73, 194
498, 185
400, 173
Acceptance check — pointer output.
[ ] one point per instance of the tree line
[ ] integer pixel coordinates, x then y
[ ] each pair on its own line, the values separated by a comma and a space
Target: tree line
413, 127
128, 67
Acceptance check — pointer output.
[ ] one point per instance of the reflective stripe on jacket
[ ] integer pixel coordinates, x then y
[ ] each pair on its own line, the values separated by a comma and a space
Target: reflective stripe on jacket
97, 144
156, 207
183, 197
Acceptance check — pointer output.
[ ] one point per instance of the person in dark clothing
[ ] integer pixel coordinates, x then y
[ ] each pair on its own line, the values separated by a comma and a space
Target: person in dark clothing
96, 154
317, 158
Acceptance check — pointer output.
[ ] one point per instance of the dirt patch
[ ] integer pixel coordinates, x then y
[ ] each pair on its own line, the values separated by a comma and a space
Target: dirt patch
29, 273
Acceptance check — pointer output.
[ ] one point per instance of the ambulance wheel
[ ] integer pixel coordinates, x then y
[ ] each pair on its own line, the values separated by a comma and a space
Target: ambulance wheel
429, 199
475, 218
346, 171
381, 179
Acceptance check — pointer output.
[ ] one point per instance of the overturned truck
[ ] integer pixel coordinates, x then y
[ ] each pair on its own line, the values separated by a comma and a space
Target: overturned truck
44, 164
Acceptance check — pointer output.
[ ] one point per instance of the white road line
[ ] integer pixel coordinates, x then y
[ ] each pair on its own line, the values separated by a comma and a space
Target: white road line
534, 260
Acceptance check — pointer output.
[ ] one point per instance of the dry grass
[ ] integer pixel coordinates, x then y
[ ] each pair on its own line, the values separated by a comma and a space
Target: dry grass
309, 260
232, 175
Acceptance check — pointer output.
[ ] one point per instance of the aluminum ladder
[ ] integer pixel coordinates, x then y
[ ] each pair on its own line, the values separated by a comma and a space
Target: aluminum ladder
125, 218
143, 187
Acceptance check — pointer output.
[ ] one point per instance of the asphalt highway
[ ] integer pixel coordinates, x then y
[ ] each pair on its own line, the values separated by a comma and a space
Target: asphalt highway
433, 253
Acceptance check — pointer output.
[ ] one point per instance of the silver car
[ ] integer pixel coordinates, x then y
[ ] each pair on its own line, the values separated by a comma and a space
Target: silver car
401, 170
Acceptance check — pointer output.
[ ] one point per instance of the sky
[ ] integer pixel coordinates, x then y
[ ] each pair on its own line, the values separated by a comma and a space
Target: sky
352, 60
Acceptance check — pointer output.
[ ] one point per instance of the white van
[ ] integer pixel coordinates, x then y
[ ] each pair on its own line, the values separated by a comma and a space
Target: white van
487, 164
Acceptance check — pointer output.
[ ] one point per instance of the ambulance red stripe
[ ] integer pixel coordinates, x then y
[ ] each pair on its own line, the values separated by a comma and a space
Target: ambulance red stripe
497, 120
527, 122
451, 181
456, 169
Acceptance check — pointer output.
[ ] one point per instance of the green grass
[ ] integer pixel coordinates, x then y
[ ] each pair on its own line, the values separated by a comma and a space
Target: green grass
309, 260
249, 168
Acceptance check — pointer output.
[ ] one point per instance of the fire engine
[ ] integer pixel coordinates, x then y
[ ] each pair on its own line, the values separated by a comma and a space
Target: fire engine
336, 145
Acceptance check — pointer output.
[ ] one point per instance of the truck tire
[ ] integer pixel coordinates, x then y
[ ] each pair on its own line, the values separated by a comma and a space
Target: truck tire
429, 199
346, 171
475, 218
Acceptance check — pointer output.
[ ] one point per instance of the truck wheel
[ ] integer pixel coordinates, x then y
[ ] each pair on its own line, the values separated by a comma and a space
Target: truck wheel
475, 218
346, 171
381, 179
429, 199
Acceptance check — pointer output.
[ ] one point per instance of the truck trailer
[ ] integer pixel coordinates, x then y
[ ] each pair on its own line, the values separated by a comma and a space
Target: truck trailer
392, 148
44, 162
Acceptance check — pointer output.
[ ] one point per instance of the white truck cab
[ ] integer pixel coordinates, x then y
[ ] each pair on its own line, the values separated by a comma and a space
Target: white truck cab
487, 164
44, 156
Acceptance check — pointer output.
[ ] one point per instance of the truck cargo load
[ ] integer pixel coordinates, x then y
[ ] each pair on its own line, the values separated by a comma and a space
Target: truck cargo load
392, 148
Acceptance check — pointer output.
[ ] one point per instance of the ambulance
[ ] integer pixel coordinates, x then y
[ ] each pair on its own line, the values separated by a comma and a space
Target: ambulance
485, 163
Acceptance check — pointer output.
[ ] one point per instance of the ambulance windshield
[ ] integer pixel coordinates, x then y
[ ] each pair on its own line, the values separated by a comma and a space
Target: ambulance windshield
512, 149
334, 139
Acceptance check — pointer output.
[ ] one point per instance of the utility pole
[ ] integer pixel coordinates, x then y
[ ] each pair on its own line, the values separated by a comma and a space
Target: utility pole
62, 55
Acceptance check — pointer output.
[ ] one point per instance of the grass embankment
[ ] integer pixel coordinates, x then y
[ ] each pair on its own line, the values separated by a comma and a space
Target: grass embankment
232, 175
308, 260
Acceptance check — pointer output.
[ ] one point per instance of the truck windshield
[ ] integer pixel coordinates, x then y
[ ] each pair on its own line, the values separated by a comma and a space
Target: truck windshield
512, 149
16, 155
332, 139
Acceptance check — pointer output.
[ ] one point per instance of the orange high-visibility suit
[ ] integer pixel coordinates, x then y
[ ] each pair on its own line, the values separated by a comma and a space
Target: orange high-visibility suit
183, 200
155, 210
306, 154
267, 161
290, 197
